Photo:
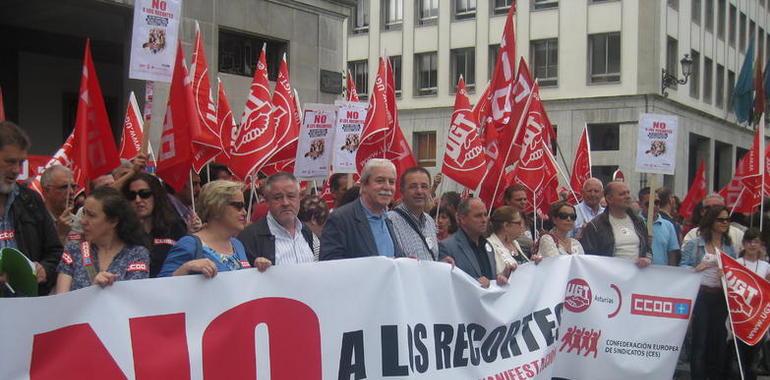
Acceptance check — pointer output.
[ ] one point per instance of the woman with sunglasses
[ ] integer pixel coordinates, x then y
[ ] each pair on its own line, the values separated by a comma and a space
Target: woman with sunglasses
709, 343
506, 225
557, 242
113, 245
159, 220
214, 248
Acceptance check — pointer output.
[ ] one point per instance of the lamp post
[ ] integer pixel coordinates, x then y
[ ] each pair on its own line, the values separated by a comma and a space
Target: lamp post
668, 80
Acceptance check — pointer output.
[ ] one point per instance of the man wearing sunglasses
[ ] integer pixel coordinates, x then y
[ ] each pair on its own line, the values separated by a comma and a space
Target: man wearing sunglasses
735, 233
665, 243
58, 192
617, 232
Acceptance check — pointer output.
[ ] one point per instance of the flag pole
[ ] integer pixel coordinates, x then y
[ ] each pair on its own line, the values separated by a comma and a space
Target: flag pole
251, 197
149, 88
569, 185
761, 160
192, 193
729, 315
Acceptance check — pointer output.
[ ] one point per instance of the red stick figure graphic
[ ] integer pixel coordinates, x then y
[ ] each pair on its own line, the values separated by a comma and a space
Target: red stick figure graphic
566, 339
593, 343
575, 342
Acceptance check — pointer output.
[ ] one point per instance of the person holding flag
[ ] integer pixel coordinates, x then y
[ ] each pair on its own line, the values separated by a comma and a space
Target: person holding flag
709, 335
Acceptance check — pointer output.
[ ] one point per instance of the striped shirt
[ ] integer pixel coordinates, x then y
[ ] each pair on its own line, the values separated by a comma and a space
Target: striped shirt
289, 249
411, 242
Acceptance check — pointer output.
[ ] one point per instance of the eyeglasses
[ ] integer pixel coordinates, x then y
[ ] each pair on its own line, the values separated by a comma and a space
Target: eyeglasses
753, 242
565, 216
517, 222
64, 187
144, 194
723, 220
239, 206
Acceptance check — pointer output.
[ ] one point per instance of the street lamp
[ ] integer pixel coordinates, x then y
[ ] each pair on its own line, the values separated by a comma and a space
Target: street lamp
668, 80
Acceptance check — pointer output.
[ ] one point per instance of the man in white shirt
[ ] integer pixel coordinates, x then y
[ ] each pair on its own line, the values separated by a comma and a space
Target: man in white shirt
590, 207
735, 233
280, 237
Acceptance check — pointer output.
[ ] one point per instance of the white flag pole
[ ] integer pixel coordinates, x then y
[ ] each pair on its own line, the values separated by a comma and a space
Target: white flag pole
729, 315
761, 160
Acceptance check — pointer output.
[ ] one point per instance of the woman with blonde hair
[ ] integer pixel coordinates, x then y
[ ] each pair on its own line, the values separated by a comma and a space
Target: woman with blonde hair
214, 248
506, 225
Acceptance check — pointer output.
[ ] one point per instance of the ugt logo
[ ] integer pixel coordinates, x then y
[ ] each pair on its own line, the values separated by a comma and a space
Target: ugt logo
578, 296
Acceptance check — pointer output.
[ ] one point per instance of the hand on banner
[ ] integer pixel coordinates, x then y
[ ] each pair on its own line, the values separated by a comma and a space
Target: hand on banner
262, 264
484, 282
40, 273
536, 258
449, 260
105, 279
502, 278
643, 262
205, 267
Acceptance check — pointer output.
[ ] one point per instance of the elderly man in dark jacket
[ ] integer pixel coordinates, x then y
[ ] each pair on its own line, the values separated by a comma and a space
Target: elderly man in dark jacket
617, 232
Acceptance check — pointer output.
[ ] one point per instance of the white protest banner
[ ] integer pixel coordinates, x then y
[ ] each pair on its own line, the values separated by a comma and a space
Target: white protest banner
315, 139
154, 38
363, 318
350, 122
656, 144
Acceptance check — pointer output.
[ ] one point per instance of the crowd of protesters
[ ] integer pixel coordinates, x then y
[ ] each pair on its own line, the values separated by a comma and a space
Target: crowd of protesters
130, 226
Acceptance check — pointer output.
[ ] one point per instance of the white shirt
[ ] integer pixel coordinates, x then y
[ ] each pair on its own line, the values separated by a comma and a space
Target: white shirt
710, 276
289, 249
585, 214
626, 240
547, 247
760, 267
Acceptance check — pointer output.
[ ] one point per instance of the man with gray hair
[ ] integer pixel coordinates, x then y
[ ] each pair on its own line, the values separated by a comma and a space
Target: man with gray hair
280, 237
361, 228
590, 207
57, 185
735, 233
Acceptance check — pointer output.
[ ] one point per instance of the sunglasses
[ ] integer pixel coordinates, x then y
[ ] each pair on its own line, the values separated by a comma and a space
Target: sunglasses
144, 194
240, 206
723, 220
565, 216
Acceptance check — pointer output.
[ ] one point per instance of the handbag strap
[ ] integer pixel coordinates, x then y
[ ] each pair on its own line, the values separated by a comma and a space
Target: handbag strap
416, 229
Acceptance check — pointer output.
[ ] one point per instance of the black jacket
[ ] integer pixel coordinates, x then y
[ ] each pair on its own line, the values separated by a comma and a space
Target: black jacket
598, 239
259, 242
347, 234
35, 234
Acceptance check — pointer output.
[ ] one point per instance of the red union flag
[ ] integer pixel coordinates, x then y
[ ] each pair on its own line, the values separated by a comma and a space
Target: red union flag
351, 94
286, 122
698, 191
254, 141
225, 122
175, 154
93, 144
748, 299
205, 137
504, 75
743, 193
581, 167
537, 126
537, 172
464, 159
131, 141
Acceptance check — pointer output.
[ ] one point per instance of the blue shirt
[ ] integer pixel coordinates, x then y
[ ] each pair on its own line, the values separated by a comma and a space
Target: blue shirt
7, 228
131, 263
664, 240
380, 232
184, 251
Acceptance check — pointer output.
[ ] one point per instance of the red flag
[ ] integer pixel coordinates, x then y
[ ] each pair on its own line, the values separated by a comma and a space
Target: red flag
2, 107
464, 159
748, 299
504, 74
286, 121
93, 144
581, 167
226, 123
175, 156
205, 137
537, 172
698, 191
131, 140
254, 141
537, 123
744, 192
65, 156
351, 93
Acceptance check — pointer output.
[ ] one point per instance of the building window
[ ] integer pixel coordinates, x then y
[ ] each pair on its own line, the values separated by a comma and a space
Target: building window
545, 61
604, 137
730, 89
359, 70
673, 4
695, 74
709, 16
426, 66
672, 56
493, 50
239, 53
425, 148
502, 6
752, 29
761, 45
720, 95
427, 12
604, 172
721, 4
731, 25
604, 57
465, 9
393, 13
361, 17
395, 62
545, 4
742, 33
695, 11
463, 62
707, 78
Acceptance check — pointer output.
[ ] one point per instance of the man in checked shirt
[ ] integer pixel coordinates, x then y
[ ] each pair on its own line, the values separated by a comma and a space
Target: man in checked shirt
413, 228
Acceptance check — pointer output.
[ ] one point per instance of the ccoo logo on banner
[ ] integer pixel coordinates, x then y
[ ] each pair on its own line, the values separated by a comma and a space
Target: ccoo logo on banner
355, 319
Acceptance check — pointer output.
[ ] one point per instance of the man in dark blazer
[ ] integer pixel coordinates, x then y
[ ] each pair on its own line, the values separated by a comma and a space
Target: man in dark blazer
362, 228
469, 248
280, 237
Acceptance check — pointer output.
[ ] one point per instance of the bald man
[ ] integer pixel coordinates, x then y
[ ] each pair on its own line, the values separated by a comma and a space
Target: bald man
590, 207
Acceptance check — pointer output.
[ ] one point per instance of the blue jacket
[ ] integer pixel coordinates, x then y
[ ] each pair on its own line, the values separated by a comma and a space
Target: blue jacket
694, 250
